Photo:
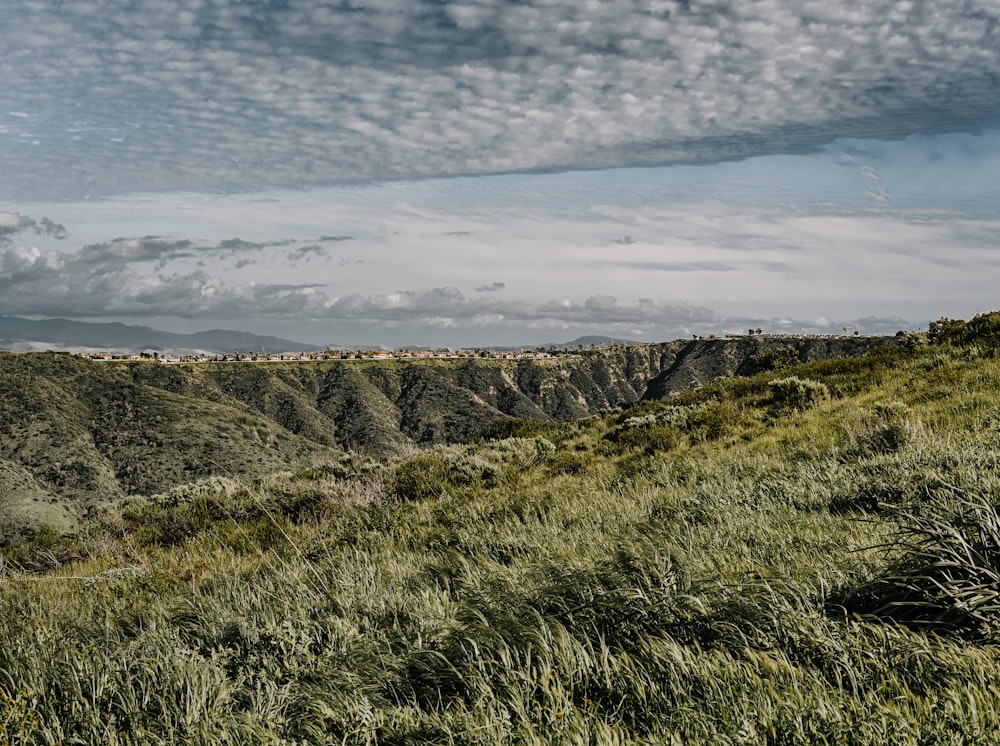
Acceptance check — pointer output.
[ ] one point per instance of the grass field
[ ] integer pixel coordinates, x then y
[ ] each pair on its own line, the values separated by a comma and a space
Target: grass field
810, 555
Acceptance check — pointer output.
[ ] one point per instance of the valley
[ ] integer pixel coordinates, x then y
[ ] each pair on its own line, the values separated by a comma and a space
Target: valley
76, 434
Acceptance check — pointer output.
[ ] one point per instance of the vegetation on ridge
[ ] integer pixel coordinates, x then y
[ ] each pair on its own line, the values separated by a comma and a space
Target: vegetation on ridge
76, 434
806, 555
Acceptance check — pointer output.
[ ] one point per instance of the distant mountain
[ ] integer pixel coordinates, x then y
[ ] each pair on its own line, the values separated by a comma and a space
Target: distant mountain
597, 341
23, 334
585, 342
367, 348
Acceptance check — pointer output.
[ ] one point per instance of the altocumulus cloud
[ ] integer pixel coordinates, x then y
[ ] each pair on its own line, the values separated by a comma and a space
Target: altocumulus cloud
117, 96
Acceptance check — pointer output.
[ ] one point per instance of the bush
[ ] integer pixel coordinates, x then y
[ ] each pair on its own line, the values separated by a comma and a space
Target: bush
982, 330
520, 428
427, 475
911, 341
716, 420
648, 439
945, 330
762, 362
568, 462
657, 430
797, 393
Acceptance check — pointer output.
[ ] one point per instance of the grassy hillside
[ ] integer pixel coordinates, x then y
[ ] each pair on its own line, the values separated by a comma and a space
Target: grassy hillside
77, 434
798, 557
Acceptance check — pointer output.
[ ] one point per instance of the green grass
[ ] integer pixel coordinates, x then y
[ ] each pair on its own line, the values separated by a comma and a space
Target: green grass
750, 563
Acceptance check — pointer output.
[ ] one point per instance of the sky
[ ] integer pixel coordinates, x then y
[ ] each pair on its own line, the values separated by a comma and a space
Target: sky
505, 172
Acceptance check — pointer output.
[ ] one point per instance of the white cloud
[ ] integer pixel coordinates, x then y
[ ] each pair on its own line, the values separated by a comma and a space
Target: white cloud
11, 221
19, 263
878, 193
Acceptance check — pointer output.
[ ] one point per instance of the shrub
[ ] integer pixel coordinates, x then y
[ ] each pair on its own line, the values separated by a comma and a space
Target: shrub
568, 462
762, 362
427, 475
911, 340
797, 393
519, 428
715, 420
982, 330
678, 416
945, 330
659, 429
647, 439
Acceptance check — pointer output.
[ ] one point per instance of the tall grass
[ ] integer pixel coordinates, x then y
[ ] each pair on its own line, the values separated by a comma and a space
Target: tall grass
944, 572
747, 574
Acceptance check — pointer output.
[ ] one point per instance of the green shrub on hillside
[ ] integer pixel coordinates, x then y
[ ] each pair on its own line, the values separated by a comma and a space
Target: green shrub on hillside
656, 438
566, 461
521, 428
665, 426
981, 331
763, 362
678, 416
716, 420
945, 330
797, 393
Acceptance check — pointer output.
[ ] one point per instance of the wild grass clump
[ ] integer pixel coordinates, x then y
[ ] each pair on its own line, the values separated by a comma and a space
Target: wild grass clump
444, 469
664, 427
944, 569
46, 550
883, 428
546, 644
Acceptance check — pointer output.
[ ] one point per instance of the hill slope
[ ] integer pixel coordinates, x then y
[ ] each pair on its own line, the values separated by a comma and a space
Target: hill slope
75, 434
805, 555
700, 362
